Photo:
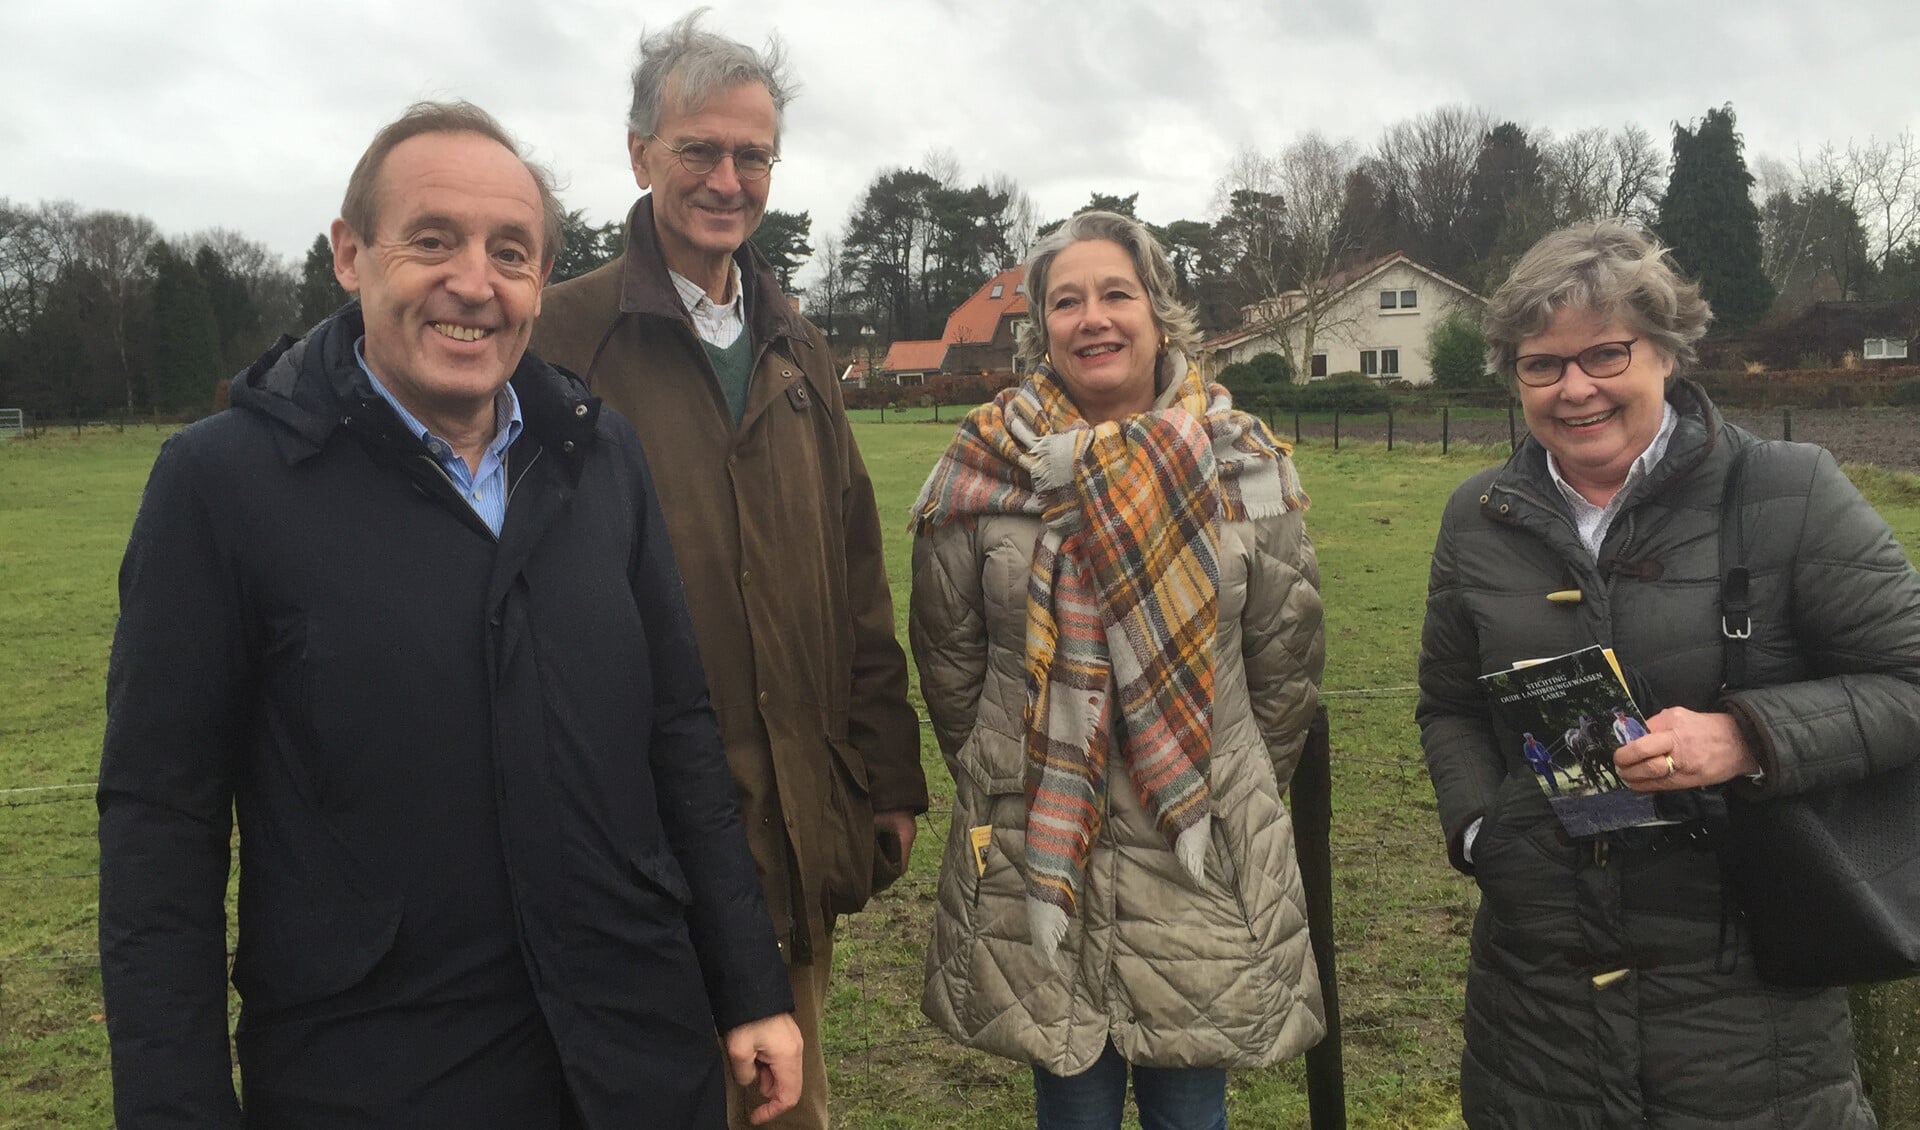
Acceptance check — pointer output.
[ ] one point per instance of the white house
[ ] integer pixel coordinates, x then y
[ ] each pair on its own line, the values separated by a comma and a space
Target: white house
1376, 323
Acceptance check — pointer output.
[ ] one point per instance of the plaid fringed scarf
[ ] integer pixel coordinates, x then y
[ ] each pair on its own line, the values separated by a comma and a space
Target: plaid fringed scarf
1123, 596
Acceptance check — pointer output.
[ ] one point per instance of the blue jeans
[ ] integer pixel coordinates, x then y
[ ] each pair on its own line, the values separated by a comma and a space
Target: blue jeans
1169, 1098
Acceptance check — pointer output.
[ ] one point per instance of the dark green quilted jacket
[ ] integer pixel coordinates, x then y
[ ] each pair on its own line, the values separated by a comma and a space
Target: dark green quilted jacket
1610, 984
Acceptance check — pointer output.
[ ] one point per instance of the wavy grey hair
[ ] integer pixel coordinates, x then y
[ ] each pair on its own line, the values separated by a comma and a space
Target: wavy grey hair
361, 206
705, 64
1170, 315
1611, 269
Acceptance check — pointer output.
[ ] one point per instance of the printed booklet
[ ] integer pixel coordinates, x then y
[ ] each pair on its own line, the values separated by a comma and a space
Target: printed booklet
1570, 713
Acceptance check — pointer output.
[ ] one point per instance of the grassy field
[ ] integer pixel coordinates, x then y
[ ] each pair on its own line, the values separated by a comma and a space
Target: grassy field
1402, 916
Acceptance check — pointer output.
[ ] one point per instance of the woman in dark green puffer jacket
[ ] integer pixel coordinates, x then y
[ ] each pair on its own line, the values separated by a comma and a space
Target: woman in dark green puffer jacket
1609, 984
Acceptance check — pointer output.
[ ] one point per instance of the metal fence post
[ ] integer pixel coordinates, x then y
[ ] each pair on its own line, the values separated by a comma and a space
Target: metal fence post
1389, 427
1336, 429
1513, 435
1786, 423
1445, 427
1296, 428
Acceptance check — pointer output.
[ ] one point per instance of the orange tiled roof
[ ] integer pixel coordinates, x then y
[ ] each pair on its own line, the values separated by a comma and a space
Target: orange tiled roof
976, 318
914, 356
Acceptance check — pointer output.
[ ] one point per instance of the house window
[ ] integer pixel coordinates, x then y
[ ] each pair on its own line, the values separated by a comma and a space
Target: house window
1885, 349
1382, 363
1399, 299
998, 290
1389, 299
1409, 299
1019, 288
909, 379
1318, 369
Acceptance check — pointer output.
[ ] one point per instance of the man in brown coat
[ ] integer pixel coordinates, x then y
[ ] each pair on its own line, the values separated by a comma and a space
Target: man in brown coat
769, 506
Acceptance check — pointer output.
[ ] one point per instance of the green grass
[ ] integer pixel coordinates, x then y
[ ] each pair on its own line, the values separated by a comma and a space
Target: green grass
1402, 917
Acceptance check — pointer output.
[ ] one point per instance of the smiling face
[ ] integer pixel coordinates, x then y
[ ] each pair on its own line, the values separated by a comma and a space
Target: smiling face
449, 279
1100, 330
1596, 428
702, 218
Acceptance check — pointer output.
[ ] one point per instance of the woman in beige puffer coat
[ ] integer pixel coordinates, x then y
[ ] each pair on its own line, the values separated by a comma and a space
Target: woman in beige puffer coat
1166, 960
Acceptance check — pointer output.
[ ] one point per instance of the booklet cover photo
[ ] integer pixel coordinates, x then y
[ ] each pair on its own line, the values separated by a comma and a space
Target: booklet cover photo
1570, 713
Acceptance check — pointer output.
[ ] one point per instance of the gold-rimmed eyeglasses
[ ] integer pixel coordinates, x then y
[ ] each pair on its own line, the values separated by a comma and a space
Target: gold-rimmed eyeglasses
702, 157
1606, 359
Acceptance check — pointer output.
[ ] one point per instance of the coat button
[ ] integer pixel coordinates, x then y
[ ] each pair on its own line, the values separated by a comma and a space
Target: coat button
567, 447
579, 409
765, 698
746, 577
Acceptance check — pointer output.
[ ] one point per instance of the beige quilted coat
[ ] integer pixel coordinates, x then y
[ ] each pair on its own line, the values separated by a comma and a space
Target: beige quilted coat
1177, 973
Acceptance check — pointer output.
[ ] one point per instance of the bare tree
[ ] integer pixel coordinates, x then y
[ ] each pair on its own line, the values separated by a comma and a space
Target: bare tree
1640, 176
1887, 174
1282, 223
1598, 175
1428, 163
1019, 219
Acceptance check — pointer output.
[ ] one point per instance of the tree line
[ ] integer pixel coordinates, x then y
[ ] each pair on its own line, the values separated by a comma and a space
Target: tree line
101, 315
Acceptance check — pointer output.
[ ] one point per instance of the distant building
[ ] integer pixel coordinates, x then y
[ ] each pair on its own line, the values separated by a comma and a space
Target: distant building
980, 337
1827, 334
1376, 323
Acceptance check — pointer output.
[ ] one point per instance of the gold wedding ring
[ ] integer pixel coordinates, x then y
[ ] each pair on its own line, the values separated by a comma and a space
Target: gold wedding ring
1671, 767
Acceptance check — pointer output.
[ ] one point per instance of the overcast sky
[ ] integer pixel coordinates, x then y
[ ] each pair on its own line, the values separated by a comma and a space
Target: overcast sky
248, 114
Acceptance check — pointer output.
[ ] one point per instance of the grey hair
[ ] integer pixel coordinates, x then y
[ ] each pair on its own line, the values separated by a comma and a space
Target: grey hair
1611, 269
705, 64
360, 208
1173, 317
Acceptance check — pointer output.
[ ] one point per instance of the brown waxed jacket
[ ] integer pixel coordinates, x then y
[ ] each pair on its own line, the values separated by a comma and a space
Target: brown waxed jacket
778, 540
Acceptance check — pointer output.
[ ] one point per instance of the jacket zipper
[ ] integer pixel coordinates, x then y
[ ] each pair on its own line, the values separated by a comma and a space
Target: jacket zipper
455, 488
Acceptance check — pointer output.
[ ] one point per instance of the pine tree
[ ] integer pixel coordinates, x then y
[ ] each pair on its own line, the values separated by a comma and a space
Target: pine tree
186, 337
320, 292
1709, 219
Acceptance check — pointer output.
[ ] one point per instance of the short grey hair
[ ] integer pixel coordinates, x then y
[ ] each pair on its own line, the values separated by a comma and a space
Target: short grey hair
705, 64
361, 206
1173, 317
1612, 269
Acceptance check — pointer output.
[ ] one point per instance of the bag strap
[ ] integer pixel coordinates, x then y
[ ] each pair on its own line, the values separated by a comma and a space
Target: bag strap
1736, 623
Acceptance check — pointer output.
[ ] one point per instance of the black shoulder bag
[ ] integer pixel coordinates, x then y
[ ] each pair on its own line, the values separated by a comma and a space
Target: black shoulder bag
1828, 882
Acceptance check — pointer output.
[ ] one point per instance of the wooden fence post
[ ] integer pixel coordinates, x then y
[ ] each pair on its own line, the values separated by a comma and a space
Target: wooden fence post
1336, 429
1310, 795
1445, 427
1786, 423
1389, 427
1513, 434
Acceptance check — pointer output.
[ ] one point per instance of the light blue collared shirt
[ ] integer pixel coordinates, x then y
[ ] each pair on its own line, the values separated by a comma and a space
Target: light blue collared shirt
485, 490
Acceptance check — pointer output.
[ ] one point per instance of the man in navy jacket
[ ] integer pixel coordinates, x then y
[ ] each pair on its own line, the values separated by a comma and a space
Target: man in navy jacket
408, 610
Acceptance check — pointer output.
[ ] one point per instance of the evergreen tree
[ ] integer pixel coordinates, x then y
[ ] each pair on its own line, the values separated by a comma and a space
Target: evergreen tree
320, 292
782, 238
234, 311
1508, 204
584, 247
186, 337
1709, 219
